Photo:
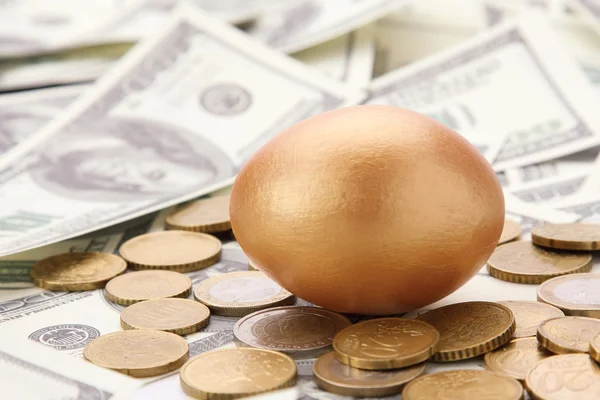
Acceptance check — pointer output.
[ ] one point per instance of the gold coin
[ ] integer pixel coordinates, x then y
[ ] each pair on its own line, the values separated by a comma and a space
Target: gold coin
335, 377
233, 373
595, 348
568, 334
564, 377
463, 384
529, 315
205, 215
511, 231
300, 331
516, 358
236, 294
386, 343
180, 251
523, 262
577, 294
180, 316
77, 271
140, 353
470, 329
138, 286
574, 236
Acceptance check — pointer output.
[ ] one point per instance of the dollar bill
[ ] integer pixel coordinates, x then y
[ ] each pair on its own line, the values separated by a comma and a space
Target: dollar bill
589, 10
550, 191
296, 25
174, 120
507, 82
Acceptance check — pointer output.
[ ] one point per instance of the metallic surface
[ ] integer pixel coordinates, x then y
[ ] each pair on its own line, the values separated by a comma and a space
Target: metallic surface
595, 348
564, 377
575, 236
335, 377
140, 353
524, 262
204, 215
516, 358
77, 271
577, 294
386, 343
138, 286
369, 210
233, 373
463, 385
236, 294
511, 231
568, 334
529, 315
180, 316
470, 329
180, 251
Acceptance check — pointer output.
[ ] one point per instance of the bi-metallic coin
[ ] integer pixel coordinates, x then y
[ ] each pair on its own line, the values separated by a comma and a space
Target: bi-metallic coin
577, 294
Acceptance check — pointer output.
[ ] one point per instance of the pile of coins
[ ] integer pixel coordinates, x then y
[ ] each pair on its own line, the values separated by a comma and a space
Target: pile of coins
550, 347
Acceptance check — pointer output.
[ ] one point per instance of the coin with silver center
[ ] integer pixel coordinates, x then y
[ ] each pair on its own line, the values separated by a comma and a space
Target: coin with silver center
577, 294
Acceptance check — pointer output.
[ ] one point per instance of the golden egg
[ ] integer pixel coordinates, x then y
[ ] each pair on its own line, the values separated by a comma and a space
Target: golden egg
368, 210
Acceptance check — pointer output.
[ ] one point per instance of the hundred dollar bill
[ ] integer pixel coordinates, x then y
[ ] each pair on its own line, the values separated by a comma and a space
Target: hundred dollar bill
513, 81
296, 25
176, 119
348, 58
588, 207
549, 191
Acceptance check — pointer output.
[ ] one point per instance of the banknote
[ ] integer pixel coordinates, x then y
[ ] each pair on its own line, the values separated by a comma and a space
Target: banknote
23, 114
513, 82
175, 119
348, 58
587, 206
296, 25
589, 10
551, 190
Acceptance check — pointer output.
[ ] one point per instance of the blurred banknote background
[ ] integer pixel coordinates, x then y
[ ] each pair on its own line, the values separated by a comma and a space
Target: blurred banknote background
112, 112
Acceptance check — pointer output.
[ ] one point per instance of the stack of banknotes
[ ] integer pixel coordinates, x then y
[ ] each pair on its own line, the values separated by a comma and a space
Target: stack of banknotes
113, 113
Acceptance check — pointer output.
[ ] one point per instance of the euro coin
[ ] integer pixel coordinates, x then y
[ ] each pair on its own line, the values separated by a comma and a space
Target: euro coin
140, 353
574, 236
529, 315
236, 294
138, 286
564, 377
483, 327
568, 334
335, 377
208, 215
516, 358
179, 251
595, 348
577, 294
511, 231
463, 384
77, 271
524, 262
233, 373
303, 332
180, 316
386, 343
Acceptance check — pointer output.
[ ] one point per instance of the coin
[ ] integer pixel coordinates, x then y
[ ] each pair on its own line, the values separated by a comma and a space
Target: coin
140, 353
595, 348
233, 373
385, 343
574, 236
510, 232
516, 358
180, 251
577, 294
463, 384
568, 334
470, 329
564, 377
335, 377
204, 215
299, 331
180, 316
529, 315
77, 271
524, 262
236, 294
138, 286
252, 266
